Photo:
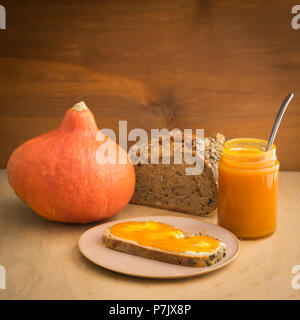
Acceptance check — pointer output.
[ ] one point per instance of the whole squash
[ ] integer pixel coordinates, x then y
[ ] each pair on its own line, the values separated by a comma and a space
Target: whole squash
58, 176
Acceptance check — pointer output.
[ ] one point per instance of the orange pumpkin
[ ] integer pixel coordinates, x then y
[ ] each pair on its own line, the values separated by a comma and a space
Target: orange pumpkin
58, 176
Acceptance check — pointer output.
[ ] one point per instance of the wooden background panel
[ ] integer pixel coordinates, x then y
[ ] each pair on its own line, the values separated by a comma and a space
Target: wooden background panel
222, 65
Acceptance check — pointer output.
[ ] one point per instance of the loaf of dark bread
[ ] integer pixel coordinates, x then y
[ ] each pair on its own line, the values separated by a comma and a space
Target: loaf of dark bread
167, 186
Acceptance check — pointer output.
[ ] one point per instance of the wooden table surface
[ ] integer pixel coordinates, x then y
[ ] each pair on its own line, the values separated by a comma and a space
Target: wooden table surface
42, 259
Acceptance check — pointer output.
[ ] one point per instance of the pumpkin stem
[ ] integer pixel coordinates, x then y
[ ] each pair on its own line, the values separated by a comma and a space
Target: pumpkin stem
80, 106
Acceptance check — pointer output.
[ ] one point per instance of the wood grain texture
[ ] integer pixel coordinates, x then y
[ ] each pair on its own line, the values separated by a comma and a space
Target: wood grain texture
42, 258
219, 65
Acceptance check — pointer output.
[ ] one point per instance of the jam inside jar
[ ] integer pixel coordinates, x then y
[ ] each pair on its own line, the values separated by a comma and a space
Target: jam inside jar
248, 184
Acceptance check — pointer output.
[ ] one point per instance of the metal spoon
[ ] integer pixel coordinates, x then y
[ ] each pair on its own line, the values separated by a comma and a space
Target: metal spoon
280, 113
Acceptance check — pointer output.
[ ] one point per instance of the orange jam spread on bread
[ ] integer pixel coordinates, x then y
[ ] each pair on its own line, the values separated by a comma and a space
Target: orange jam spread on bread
162, 236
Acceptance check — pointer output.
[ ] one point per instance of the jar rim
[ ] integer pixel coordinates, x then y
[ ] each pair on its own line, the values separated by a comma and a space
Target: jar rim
251, 149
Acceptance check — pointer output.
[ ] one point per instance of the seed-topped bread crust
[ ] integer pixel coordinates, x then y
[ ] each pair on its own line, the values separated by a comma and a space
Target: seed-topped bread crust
167, 186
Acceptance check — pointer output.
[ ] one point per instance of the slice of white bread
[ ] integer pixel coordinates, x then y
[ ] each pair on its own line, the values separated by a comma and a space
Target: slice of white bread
189, 259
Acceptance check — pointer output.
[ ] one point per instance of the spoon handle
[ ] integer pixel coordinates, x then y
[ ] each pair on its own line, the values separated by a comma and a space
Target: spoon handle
280, 113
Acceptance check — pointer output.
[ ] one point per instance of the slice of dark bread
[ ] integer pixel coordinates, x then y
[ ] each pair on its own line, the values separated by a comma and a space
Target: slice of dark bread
183, 259
167, 186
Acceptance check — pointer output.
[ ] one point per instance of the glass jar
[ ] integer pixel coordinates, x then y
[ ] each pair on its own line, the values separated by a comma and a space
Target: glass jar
248, 183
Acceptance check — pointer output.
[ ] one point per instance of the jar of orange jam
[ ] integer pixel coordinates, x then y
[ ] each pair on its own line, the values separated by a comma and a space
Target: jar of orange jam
248, 183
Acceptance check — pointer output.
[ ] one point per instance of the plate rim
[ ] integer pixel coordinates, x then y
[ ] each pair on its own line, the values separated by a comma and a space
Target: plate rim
181, 276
